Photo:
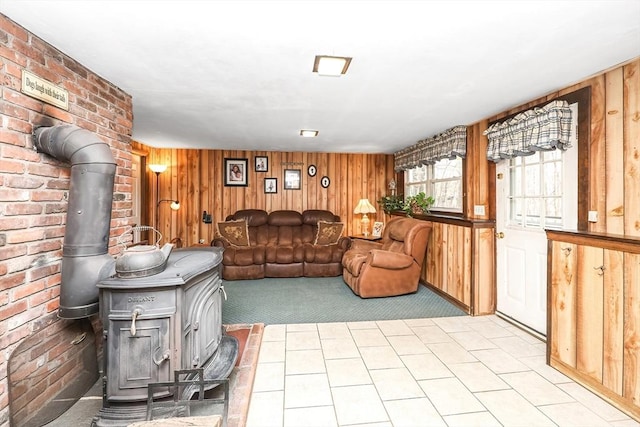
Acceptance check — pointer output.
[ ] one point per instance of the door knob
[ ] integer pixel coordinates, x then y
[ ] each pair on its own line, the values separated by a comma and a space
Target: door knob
500, 235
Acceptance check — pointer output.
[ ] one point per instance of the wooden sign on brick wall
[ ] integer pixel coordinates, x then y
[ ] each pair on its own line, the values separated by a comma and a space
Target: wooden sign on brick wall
44, 90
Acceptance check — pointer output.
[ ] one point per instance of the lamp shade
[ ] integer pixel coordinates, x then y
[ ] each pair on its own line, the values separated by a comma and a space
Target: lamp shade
364, 207
158, 168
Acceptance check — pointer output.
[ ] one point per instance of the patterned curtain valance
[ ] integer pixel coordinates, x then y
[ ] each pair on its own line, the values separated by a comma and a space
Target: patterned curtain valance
539, 129
446, 145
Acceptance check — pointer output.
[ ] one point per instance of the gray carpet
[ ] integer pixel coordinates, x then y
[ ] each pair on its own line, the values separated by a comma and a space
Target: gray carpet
321, 300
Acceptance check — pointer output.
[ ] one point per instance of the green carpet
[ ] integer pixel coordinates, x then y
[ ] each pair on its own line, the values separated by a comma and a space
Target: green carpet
321, 300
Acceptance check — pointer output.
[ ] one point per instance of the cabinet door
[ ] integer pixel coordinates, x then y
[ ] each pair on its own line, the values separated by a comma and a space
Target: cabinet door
562, 302
590, 311
631, 385
613, 334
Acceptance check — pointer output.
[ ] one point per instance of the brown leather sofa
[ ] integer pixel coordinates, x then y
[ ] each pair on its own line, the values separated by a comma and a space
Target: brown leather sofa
389, 267
282, 243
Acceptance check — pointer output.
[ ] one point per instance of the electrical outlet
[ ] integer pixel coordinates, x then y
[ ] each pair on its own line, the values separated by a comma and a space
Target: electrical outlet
478, 209
593, 216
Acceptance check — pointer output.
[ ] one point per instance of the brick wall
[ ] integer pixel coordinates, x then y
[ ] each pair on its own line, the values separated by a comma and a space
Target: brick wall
33, 188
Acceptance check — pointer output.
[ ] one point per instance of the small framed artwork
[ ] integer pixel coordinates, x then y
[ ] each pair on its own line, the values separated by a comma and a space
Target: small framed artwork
262, 164
271, 185
235, 172
377, 229
291, 179
325, 182
312, 170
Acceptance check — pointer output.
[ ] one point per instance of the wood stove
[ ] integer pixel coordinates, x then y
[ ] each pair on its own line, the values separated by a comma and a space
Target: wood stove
158, 324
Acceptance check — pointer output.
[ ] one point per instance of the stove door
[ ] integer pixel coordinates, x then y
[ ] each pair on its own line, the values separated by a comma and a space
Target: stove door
138, 359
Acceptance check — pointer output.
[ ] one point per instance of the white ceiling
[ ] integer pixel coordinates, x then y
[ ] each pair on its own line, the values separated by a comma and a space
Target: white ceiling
237, 74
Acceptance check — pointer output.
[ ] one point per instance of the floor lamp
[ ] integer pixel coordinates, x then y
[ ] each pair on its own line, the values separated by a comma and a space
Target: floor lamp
175, 204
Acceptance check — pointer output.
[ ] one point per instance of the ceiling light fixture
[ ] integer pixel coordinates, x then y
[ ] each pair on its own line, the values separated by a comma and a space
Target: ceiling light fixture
333, 66
306, 133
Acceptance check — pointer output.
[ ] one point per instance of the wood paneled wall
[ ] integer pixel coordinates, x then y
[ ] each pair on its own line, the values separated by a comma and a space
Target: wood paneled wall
195, 178
614, 150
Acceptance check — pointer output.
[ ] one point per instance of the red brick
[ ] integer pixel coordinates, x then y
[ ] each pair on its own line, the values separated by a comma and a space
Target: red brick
19, 125
25, 235
40, 272
25, 208
47, 220
14, 29
23, 100
22, 291
52, 208
54, 232
14, 138
3, 271
13, 251
7, 195
24, 48
44, 246
57, 113
13, 110
47, 196
24, 182
20, 153
13, 309
13, 223
7, 166
53, 305
58, 184
41, 297
42, 169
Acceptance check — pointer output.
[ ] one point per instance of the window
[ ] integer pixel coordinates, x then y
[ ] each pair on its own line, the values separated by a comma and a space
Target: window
442, 180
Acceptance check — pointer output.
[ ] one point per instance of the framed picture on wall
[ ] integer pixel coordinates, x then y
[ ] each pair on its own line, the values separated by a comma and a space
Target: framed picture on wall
292, 179
270, 185
235, 172
262, 164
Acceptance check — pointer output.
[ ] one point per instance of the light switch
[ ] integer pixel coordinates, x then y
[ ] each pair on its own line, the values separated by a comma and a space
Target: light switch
478, 209
593, 216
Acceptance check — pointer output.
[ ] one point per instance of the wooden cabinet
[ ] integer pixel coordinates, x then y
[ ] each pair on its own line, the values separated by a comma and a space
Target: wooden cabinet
593, 331
459, 263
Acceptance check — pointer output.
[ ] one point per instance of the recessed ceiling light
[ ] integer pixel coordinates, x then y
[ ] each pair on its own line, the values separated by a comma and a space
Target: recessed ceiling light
308, 133
333, 66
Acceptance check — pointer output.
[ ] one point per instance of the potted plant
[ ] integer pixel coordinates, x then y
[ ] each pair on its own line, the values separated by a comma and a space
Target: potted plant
391, 203
418, 204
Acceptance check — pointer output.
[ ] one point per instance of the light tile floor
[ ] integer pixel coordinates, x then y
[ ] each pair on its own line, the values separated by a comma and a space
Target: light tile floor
454, 371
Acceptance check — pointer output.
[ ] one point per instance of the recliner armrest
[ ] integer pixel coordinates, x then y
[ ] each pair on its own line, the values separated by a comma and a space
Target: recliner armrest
389, 260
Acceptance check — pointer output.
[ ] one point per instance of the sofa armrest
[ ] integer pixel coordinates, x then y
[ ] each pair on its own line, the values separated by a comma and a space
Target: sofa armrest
364, 246
344, 243
389, 260
219, 242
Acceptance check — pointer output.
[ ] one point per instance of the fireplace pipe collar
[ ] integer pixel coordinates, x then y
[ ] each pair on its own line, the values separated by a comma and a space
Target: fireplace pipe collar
85, 258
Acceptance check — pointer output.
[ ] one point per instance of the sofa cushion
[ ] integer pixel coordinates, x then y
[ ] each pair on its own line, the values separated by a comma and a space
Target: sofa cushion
328, 233
312, 216
284, 217
234, 232
254, 217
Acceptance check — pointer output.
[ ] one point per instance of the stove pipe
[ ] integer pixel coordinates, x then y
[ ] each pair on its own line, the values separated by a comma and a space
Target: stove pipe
85, 258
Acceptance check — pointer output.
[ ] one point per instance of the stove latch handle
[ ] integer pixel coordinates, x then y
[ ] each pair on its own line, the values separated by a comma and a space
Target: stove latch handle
165, 356
137, 312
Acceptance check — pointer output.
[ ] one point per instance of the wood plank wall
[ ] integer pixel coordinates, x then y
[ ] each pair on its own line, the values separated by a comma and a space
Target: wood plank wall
614, 153
195, 178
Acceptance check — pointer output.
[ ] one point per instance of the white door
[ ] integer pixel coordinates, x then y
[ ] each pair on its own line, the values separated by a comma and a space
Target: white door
533, 193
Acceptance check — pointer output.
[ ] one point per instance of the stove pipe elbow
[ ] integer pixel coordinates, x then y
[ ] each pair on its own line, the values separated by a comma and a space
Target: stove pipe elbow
85, 258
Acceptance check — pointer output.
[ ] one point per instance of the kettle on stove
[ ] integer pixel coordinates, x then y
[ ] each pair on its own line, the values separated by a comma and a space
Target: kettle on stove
142, 260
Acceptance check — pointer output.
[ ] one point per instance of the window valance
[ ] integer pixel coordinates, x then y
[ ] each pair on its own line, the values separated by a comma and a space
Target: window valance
449, 144
539, 129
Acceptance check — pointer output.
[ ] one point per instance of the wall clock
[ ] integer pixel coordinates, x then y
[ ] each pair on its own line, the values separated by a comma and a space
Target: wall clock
325, 182
311, 170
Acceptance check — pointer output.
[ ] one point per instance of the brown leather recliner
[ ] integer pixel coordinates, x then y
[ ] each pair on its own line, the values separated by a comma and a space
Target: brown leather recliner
389, 267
